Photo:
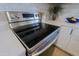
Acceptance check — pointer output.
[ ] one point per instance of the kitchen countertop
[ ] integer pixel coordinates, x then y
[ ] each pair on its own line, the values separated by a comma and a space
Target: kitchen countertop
9, 44
62, 23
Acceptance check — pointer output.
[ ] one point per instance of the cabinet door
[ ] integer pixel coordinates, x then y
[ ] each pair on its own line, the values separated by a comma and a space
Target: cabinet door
73, 46
64, 37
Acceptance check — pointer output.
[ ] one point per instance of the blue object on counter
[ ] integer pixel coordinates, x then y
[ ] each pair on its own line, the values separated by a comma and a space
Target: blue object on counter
71, 21
77, 19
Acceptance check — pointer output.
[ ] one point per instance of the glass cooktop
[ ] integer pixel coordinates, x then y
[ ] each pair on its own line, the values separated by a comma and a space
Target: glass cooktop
34, 33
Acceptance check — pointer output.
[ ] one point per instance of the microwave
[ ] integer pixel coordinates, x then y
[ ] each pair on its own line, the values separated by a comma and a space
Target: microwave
14, 16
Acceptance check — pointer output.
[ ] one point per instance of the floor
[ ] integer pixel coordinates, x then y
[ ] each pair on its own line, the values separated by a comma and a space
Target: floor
55, 51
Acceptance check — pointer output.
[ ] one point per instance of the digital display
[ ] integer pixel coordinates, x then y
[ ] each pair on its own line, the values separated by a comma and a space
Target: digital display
27, 15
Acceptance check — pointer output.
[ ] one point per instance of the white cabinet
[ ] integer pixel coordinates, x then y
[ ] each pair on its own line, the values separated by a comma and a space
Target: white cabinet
73, 46
64, 37
68, 40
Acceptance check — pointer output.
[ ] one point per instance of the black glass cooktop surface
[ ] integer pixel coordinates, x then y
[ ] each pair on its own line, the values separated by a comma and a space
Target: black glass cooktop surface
34, 33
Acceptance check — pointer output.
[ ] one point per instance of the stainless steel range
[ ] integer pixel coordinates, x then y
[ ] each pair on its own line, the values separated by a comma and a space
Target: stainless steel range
34, 35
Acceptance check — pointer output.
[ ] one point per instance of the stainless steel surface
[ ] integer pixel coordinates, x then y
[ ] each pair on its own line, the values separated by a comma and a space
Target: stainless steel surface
14, 16
16, 21
18, 16
17, 24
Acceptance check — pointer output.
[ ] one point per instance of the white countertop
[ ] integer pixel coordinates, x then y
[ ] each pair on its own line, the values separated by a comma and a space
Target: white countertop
62, 23
9, 44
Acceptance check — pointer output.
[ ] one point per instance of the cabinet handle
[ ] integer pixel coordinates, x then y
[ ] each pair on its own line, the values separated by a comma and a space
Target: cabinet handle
71, 31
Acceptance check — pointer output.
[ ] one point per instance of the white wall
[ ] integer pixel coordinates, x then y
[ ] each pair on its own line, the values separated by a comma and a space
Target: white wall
69, 10
29, 7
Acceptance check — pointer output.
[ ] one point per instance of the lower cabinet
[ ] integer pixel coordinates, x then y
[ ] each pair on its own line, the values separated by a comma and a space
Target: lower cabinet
64, 37
73, 46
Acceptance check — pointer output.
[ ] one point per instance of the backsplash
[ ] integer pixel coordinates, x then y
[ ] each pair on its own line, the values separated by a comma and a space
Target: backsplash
69, 10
